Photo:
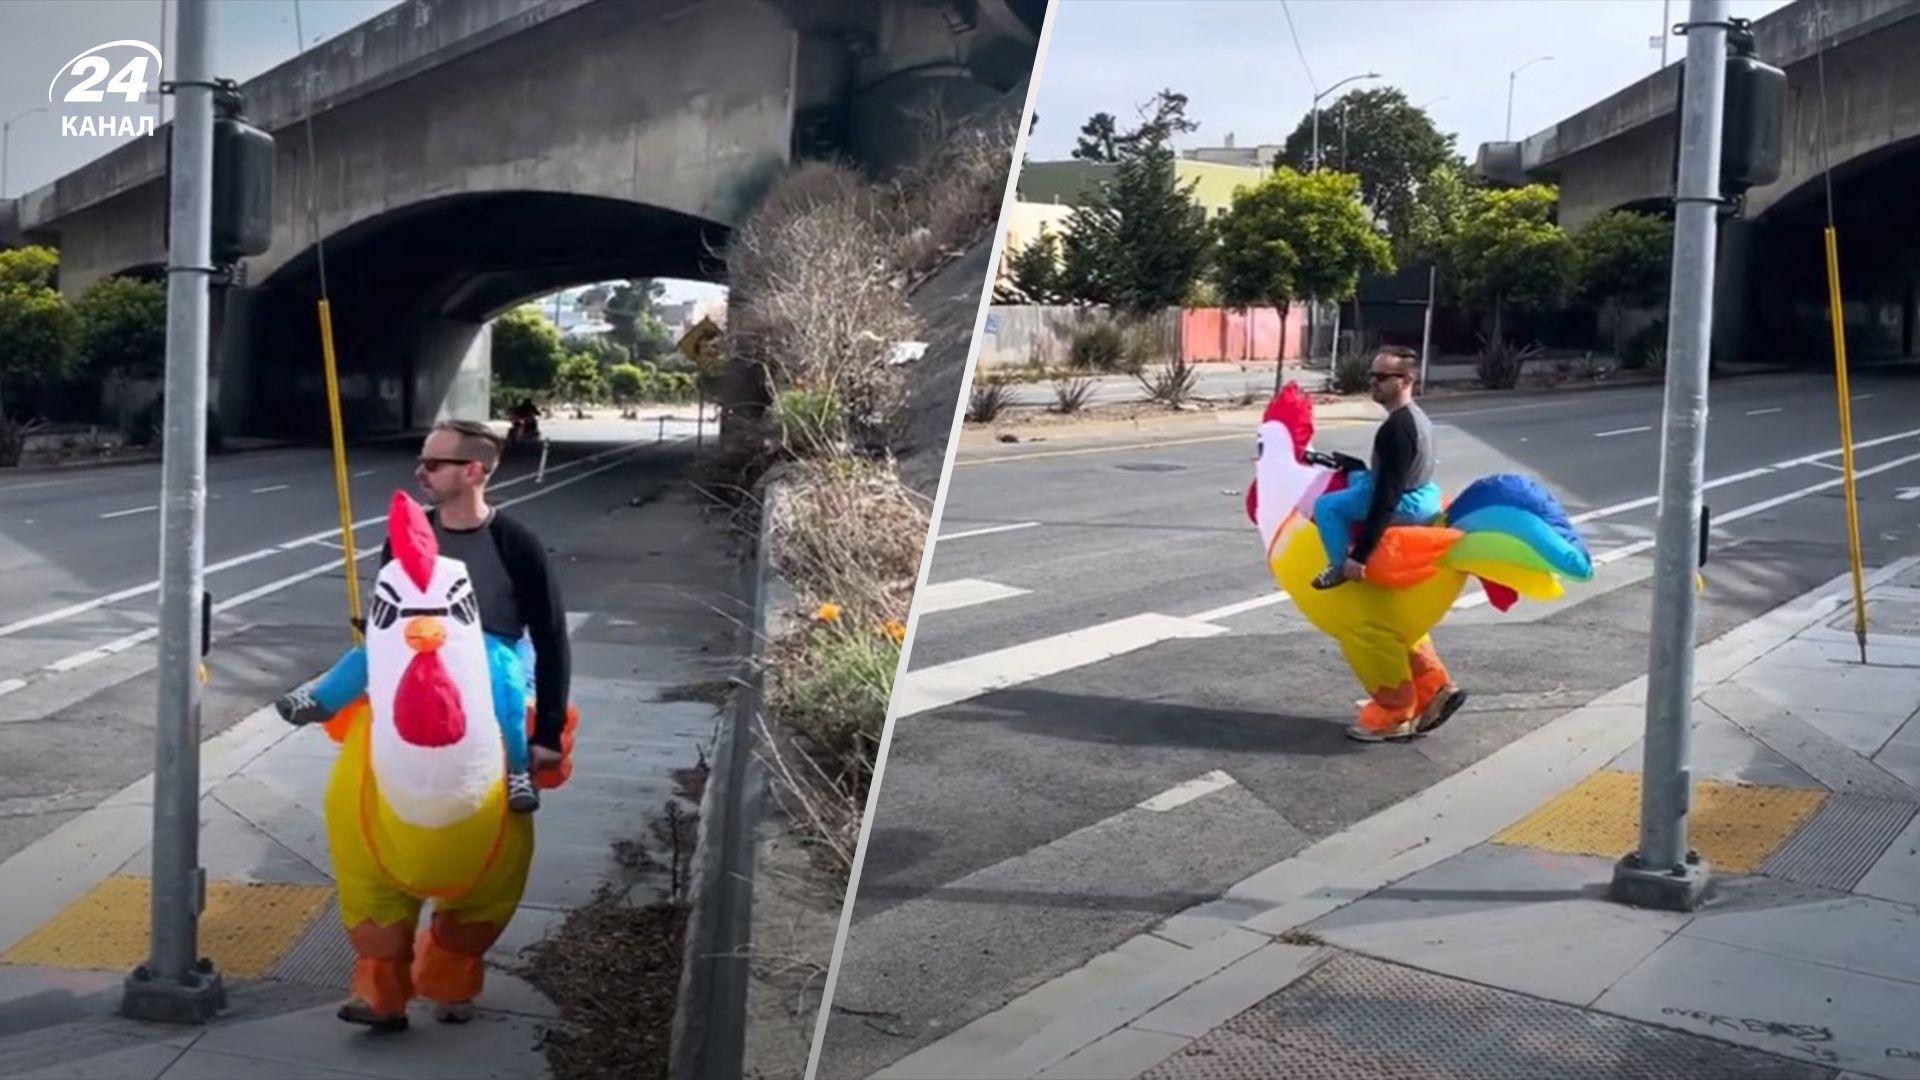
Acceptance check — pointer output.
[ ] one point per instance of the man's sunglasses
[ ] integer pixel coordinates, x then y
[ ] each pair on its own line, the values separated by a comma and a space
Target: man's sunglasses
1383, 376
432, 464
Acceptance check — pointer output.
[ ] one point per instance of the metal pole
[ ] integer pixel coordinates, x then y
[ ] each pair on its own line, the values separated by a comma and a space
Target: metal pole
1666, 29
1512, 77
1664, 873
175, 984
6, 151
1316, 135
1426, 325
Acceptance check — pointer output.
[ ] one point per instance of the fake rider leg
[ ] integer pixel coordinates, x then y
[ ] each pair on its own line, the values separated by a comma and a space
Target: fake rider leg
1435, 696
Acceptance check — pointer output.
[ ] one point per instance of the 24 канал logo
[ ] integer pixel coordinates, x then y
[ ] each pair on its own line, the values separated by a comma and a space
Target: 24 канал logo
129, 69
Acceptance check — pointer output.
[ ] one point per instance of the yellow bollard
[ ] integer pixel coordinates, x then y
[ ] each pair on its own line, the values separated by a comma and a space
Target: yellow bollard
340, 467
1846, 442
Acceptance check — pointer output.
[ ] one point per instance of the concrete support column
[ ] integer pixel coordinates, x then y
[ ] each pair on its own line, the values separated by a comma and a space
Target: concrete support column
452, 372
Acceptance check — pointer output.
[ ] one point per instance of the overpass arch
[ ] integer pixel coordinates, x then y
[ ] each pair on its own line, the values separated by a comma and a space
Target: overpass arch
412, 289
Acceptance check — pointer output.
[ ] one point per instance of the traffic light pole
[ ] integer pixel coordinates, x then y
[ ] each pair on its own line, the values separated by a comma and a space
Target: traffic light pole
176, 985
1664, 873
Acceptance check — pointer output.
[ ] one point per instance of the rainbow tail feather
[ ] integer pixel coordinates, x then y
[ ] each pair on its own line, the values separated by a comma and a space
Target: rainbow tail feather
1516, 539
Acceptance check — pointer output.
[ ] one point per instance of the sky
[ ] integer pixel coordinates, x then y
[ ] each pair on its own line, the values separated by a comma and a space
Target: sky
249, 37
1237, 63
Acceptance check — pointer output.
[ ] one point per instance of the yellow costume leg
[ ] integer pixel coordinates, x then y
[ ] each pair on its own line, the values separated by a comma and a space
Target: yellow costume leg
379, 919
1382, 665
451, 964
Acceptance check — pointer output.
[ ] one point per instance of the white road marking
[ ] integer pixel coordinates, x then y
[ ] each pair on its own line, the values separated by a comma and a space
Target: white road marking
364, 473
269, 490
1622, 431
1907, 494
1182, 794
68, 612
965, 592
119, 645
576, 620
1861, 397
988, 531
946, 684
1829, 465
1228, 611
129, 513
10, 685
1765, 412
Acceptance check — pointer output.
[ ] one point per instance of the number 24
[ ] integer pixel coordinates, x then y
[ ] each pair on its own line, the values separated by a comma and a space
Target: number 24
131, 81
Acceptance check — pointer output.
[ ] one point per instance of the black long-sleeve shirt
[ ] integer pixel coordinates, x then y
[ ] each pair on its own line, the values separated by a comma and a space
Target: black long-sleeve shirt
527, 601
1402, 461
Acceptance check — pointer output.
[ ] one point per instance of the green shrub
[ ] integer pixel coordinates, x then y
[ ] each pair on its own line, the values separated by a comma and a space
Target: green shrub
1098, 348
813, 423
1352, 374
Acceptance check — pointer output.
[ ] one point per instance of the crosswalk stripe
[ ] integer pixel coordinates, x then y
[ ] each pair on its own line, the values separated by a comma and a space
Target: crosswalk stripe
947, 684
963, 593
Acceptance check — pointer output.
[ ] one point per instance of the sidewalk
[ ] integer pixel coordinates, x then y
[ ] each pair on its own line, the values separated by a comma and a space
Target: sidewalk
75, 920
1465, 933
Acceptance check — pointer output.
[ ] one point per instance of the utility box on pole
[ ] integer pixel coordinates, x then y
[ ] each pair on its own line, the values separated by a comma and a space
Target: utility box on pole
243, 160
1752, 142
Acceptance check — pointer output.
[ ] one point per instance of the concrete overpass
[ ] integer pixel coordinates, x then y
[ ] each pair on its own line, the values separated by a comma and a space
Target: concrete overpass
1770, 296
475, 153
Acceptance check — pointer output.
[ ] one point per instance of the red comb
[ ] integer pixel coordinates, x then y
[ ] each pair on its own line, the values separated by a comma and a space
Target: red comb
1292, 409
415, 547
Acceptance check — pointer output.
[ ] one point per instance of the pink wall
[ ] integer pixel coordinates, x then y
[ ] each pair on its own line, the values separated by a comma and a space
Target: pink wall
1227, 335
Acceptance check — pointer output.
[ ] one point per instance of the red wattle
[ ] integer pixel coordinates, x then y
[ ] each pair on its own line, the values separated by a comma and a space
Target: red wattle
426, 704
1253, 505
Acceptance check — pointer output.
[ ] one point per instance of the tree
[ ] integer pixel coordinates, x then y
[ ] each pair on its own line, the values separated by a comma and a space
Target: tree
123, 328
608, 352
37, 334
29, 267
1097, 138
1140, 242
636, 324
526, 349
1622, 259
1297, 235
626, 384
1439, 207
1035, 269
1510, 253
1389, 143
578, 381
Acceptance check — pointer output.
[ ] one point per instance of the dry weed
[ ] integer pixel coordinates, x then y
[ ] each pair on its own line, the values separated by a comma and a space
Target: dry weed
954, 195
851, 534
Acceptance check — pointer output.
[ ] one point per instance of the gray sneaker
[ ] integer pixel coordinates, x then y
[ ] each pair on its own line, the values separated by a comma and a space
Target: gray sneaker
522, 796
299, 708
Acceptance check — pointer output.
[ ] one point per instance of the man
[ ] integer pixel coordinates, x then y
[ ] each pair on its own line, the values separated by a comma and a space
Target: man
1397, 488
519, 600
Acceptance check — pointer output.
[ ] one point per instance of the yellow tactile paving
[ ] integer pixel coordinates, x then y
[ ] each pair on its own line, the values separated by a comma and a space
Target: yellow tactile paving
245, 929
1733, 826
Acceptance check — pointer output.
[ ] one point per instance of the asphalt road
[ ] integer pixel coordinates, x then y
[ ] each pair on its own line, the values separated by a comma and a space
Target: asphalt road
79, 601
1108, 717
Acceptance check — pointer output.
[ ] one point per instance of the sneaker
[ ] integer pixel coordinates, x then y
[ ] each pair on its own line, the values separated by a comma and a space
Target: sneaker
1440, 709
1330, 577
299, 709
453, 1012
522, 796
356, 1011
1405, 729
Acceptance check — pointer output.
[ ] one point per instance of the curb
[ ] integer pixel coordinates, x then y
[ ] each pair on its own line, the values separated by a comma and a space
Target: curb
709, 1033
1037, 1030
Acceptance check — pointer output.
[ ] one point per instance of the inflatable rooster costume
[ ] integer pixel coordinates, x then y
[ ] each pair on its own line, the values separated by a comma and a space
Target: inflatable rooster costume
416, 807
1506, 530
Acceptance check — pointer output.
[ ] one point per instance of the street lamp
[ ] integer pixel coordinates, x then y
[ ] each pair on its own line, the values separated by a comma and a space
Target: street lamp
1511, 77
6, 143
1316, 110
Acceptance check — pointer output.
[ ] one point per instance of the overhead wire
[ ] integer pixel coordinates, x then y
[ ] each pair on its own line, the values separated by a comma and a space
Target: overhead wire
342, 493
1838, 323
